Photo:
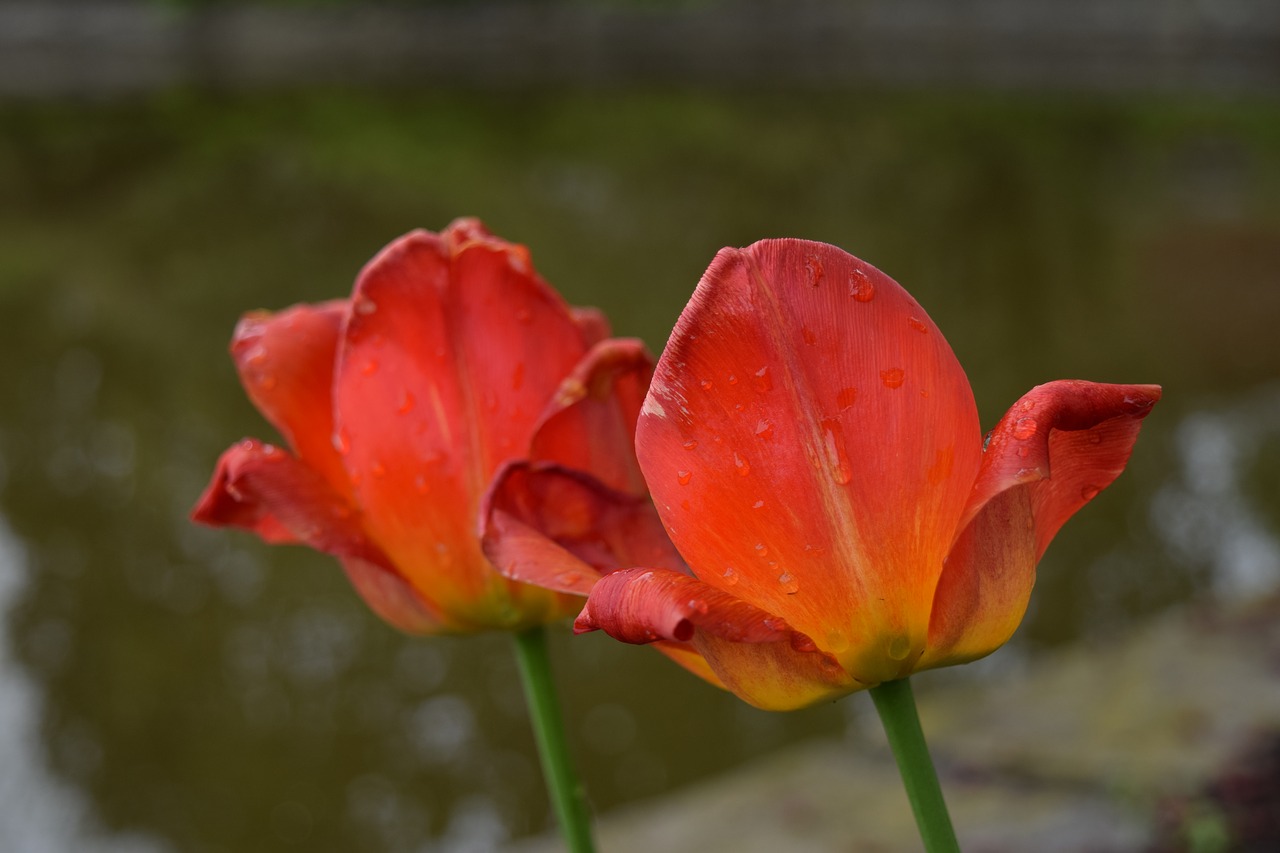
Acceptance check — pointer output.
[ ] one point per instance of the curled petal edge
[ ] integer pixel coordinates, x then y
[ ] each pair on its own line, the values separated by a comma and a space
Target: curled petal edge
755, 654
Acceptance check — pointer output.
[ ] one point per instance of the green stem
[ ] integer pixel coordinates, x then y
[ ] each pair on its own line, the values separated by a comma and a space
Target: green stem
897, 708
548, 729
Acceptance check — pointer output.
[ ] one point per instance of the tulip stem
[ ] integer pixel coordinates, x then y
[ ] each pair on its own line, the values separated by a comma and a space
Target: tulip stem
897, 708
548, 729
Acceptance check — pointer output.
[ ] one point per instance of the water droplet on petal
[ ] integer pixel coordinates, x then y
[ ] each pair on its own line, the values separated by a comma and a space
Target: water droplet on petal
899, 647
861, 288
788, 583
837, 642
810, 337
837, 458
1089, 492
893, 377
706, 384
364, 305
730, 575
267, 382
764, 429
690, 444
803, 644
815, 550
1024, 428
1023, 451
918, 324
1028, 405
406, 404
763, 381
846, 398
744, 467
758, 505
762, 550
813, 265
698, 605
568, 579
733, 379
683, 477
341, 442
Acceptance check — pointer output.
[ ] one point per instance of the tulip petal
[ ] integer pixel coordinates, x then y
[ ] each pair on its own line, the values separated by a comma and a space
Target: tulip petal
1053, 452
593, 323
261, 488
590, 424
286, 362
561, 529
810, 437
755, 654
451, 351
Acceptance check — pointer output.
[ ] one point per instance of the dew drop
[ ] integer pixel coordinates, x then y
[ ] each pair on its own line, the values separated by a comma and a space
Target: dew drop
743, 466
568, 579
1025, 428
762, 550
690, 444
1028, 405
1023, 451
918, 324
809, 336
365, 306
815, 550
730, 575
683, 477
269, 450
861, 288
267, 382
801, 643
341, 442
837, 458
758, 505
893, 377
813, 265
733, 379
788, 583
1089, 492
764, 429
706, 384
406, 404
846, 398
837, 642
763, 381
899, 647
697, 605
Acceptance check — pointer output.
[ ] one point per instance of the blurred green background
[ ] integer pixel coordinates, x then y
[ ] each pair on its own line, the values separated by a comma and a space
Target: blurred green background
165, 687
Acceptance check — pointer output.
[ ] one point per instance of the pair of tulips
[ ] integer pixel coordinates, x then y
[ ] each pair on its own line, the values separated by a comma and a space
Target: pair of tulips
796, 502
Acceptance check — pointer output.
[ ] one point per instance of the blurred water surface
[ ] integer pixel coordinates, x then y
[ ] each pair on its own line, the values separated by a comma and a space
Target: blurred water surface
165, 687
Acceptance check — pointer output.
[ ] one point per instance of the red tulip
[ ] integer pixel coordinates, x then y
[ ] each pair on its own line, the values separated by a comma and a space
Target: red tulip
813, 450
399, 405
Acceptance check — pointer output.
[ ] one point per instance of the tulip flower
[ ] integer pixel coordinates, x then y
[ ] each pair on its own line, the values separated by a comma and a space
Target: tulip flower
812, 449
398, 405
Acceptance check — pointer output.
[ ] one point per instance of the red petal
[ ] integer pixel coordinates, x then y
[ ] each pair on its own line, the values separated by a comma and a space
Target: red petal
1052, 453
261, 488
593, 323
286, 362
561, 529
754, 653
395, 600
452, 349
590, 425
810, 435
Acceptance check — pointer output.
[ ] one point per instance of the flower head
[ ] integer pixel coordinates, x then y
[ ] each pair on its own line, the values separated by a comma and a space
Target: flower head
398, 405
812, 448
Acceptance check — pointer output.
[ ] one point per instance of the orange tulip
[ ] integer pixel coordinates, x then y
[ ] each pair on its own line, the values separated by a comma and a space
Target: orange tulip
399, 405
813, 450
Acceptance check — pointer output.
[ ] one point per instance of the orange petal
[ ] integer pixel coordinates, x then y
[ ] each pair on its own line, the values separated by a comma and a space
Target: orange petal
561, 529
809, 440
451, 351
590, 425
286, 362
755, 654
1052, 453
